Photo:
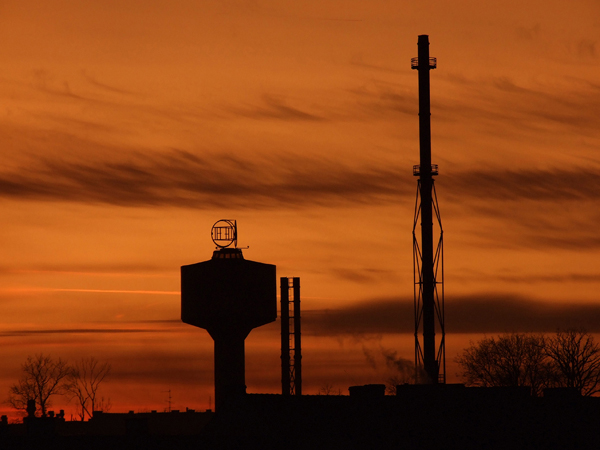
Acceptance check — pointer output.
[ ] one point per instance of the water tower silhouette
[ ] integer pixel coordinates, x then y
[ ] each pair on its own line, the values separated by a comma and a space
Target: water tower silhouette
228, 296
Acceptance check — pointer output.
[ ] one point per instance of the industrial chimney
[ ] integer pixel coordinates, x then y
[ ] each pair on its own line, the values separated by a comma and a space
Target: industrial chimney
228, 296
428, 262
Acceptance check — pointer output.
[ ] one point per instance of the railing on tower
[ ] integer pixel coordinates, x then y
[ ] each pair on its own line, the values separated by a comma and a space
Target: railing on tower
291, 347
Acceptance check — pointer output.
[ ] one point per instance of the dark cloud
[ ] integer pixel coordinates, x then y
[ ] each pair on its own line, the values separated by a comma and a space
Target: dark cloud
506, 104
163, 321
485, 313
550, 185
382, 99
586, 48
496, 313
362, 276
554, 278
532, 212
496, 106
275, 108
93, 269
48, 83
76, 124
372, 317
150, 365
70, 331
528, 34
183, 179
115, 90
553, 208
587, 240
358, 62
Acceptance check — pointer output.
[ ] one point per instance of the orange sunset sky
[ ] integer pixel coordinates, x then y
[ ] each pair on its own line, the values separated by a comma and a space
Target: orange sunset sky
127, 128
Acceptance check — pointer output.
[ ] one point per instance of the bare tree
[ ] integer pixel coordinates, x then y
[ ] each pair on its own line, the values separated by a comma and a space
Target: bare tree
575, 360
74, 392
327, 389
104, 404
83, 383
42, 378
509, 360
21, 393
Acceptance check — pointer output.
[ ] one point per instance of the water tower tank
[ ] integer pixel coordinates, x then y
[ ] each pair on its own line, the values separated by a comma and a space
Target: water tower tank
228, 296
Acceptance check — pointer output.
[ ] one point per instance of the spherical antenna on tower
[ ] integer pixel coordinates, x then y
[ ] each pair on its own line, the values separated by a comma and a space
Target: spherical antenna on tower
224, 233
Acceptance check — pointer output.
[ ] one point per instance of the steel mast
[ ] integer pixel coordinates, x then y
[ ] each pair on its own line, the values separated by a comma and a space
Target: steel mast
430, 361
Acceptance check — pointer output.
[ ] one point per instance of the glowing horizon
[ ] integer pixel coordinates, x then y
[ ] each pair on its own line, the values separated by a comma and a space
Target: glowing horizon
129, 128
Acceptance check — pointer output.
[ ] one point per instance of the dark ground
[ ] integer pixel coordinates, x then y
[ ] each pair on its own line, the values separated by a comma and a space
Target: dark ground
419, 417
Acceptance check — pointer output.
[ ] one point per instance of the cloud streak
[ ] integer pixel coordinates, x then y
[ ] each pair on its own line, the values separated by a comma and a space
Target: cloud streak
71, 331
91, 291
362, 276
275, 108
566, 184
183, 179
101, 270
506, 104
485, 313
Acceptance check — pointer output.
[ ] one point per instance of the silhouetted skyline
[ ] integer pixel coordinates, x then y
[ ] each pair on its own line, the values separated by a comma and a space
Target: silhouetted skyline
128, 129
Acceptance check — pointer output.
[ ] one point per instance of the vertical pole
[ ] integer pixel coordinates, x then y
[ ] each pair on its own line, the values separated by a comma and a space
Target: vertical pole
429, 353
285, 336
297, 338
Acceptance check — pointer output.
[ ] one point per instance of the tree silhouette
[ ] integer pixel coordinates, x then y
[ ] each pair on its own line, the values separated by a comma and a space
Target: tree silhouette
575, 361
508, 360
42, 378
328, 389
570, 359
83, 383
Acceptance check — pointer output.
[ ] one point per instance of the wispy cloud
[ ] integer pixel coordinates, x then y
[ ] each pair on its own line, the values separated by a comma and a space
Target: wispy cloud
101, 270
484, 313
363, 276
90, 291
103, 328
183, 179
528, 278
113, 89
381, 99
527, 208
275, 107
507, 104
151, 365
545, 185
71, 331
495, 106
115, 291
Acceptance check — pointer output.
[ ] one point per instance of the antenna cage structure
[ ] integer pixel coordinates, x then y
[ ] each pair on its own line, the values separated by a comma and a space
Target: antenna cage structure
224, 233
438, 284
